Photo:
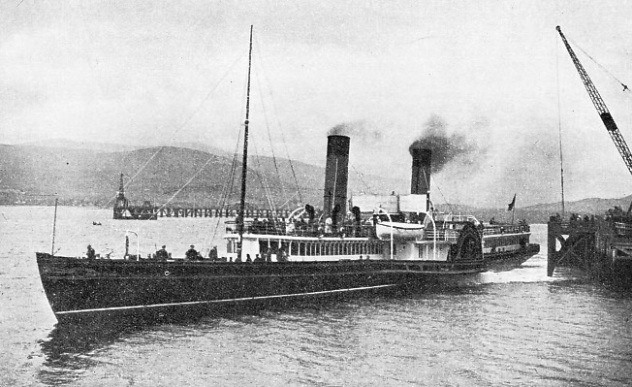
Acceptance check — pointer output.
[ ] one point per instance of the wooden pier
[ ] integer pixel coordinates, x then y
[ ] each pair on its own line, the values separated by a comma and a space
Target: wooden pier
571, 244
600, 248
198, 212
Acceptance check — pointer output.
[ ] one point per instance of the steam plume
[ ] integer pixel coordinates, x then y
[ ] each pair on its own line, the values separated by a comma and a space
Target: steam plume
445, 148
358, 130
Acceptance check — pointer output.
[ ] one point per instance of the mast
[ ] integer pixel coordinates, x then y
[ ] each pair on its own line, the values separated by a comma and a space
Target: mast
242, 203
52, 249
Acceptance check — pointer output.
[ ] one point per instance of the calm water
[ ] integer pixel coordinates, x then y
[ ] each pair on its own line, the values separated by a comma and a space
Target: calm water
516, 328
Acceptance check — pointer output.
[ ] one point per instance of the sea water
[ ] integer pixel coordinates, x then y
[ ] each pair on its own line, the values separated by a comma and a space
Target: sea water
513, 328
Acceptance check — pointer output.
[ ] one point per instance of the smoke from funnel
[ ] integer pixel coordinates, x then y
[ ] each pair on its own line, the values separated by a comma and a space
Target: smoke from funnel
359, 130
445, 148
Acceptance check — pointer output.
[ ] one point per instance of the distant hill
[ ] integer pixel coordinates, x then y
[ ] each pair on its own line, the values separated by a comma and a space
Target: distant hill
541, 213
30, 174
110, 147
80, 145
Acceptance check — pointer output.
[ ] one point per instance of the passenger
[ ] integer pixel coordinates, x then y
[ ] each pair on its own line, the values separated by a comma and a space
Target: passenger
90, 253
248, 259
290, 227
258, 258
328, 224
238, 259
213, 254
162, 254
192, 253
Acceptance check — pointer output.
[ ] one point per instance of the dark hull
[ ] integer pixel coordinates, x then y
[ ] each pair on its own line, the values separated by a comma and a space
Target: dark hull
510, 259
87, 289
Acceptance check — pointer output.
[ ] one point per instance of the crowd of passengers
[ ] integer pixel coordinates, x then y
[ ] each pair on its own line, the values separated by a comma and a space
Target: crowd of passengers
193, 255
353, 225
616, 214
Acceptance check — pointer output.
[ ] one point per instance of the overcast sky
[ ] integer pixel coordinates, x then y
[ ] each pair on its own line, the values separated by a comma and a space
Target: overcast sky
160, 72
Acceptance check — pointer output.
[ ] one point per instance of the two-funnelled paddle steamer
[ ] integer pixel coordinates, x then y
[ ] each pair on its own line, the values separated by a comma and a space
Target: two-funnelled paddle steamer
388, 241
383, 242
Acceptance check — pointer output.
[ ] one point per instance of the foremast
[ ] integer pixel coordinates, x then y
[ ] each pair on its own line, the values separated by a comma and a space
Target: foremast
242, 202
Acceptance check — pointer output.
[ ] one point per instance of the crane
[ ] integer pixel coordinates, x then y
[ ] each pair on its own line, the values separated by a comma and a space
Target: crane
601, 107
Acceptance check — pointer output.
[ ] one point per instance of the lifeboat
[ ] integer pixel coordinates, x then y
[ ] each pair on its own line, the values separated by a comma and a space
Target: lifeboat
401, 231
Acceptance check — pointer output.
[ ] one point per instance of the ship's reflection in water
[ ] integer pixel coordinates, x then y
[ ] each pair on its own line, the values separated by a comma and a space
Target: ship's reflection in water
73, 348
512, 328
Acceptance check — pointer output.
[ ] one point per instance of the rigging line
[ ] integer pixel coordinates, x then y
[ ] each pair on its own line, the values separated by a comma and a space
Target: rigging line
228, 186
265, 116
361, 177
188, 182
559, 124
262, 178
182, 125
278, 123
443, 197
625, 87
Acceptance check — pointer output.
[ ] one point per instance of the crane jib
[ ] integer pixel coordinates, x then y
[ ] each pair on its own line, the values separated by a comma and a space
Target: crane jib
600, 105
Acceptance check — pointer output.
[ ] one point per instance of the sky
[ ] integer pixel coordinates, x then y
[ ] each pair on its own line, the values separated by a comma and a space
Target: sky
492, 74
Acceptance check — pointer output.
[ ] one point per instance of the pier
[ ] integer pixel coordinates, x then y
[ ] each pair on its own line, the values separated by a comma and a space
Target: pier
602, 248
213, 212
153, 212
123, 209
571, 244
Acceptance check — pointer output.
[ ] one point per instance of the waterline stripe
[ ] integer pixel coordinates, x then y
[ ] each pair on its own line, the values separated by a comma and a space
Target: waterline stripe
223, 301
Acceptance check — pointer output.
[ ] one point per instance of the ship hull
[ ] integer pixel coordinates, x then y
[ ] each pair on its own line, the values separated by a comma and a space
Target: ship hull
81, 289
507, 260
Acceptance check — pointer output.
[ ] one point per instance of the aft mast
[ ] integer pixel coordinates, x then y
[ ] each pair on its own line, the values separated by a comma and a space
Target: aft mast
242, 203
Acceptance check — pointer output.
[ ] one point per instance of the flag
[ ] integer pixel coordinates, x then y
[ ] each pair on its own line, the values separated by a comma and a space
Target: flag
512, 204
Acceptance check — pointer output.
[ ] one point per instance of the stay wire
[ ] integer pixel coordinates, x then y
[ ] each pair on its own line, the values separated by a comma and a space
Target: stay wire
181, 126
233, 173
267, 124
281, 131
228, 186
361, 178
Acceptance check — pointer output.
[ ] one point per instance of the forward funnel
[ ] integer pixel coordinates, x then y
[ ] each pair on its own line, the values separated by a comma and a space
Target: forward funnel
336, 177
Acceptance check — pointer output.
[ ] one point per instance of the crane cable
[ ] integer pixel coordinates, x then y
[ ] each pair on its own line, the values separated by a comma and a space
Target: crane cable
625, 87
559, 123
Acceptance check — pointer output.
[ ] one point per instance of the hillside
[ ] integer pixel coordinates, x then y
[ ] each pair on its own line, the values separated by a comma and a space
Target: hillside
541, 213
34, 174
31, 174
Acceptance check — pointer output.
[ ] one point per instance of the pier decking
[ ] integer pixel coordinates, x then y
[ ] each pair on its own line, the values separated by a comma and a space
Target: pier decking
147, 212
